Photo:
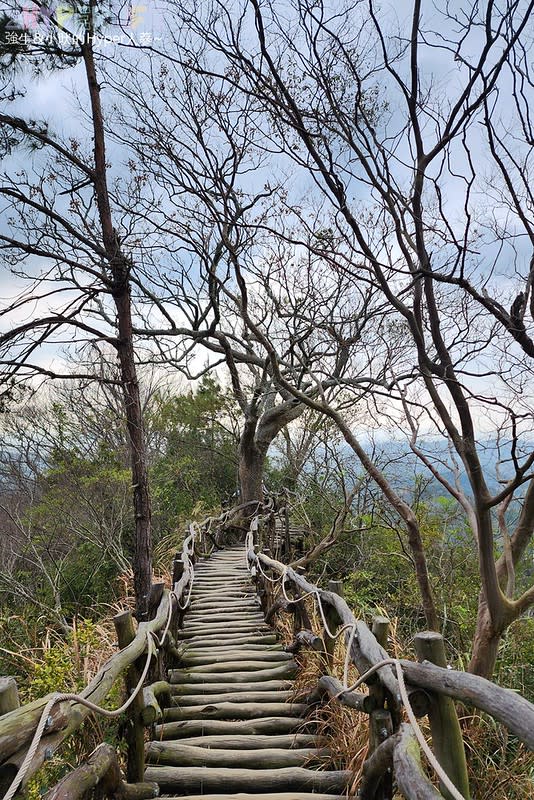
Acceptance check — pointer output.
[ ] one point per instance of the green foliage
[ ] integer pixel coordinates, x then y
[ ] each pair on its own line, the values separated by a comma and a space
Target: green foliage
62, 666
198, 462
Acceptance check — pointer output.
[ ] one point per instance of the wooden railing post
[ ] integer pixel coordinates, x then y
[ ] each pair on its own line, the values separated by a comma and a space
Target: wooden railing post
380, 629
380, 719
135, 738
446, 733
332, 620
287, 535
9, 695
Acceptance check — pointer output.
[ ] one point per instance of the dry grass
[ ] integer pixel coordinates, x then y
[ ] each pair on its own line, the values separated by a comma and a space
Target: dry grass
344, 731
499, 767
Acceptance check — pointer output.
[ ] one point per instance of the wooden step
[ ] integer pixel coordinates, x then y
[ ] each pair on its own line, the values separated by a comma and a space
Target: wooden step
220, 727
219, 686
238, 711
242, 628
223, 606
267, 796
199, 659
196, 658
252, 742
228, 648
177, 754
231, 697
225, 591
224, 664
224, 579
210, 606
288, 670
220, 779
231, 639
222, 617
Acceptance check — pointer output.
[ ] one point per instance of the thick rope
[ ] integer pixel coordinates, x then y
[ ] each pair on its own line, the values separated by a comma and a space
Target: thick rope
152, 640
434, 763
60, 698
316, 595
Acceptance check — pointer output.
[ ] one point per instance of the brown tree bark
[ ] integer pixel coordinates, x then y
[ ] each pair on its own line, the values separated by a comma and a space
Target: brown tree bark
251, 466
259, 432
485, 643
119, 267
142, 555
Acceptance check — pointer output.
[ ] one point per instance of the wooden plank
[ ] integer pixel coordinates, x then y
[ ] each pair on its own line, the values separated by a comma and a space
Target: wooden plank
226, 666
265, 657
267, 796
219, 686
228, 710
252, 742
177, 754
253, 676
205, 779
218, 727
232, 697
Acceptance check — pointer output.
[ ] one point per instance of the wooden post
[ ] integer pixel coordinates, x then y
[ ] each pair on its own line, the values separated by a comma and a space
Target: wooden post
158, 667
9, 695
380, 720
135, 739
332, 621
271, 536
177, 568
447, 739
380, 630
287, 535
336, 586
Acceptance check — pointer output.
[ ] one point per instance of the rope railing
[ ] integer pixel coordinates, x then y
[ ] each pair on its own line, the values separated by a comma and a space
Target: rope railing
399, 682
30, 734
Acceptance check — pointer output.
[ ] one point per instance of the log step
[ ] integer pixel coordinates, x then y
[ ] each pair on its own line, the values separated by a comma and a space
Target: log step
231, 639
200, 666
196, 659
177, 754
199, 649
258, 741
218, 687
232, 697
220, 727
250, 676
215, 629
267, 796
219, 779
235, 711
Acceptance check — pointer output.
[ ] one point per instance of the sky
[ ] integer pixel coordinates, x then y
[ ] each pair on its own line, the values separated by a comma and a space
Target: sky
57, 98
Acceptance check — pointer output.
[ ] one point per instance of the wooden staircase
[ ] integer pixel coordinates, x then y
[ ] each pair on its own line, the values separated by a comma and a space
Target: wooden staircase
231, 731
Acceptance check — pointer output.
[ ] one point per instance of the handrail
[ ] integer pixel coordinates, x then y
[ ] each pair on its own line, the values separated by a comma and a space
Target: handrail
48, 721
365, 652
397, 681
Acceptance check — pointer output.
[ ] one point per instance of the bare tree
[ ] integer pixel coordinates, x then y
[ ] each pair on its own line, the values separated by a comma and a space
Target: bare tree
59, 491
64, 227
406, 179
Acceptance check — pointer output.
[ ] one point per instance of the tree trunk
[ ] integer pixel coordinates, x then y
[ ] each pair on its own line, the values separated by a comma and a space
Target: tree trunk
251, 465
485, 643
119, 268
142, 554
